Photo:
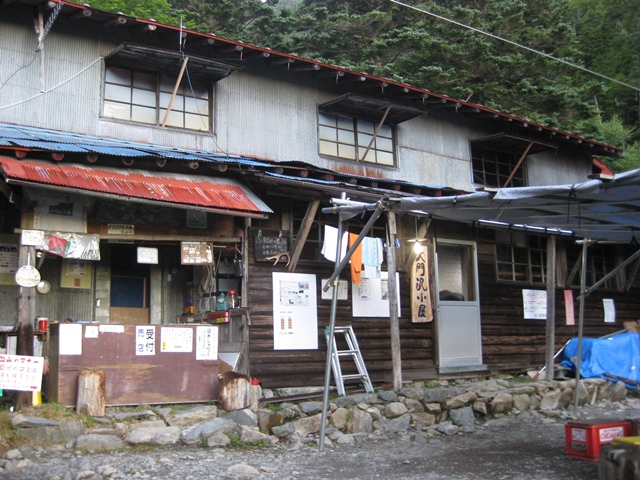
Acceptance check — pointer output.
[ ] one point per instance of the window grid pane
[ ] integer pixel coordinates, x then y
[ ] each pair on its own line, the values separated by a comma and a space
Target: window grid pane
493, 168
355, 135
135, 96
522, 264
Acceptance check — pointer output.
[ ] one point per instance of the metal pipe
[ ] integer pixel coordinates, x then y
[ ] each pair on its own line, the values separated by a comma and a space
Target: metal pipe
583, 289
330, 336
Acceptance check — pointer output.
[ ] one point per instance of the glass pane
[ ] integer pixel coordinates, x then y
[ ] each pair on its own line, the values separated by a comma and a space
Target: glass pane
364, 140
328, 148
178, 102
345, 137
144, 80
117, 75
167, 84
385, 158
346, 151
366, 127
143, 114
327, 133
384, 144
194, 105
345, 123
386, 131
456, 273
144, 97
117, 92
175, 119
196, 122
371, 155
326, 119
117, 110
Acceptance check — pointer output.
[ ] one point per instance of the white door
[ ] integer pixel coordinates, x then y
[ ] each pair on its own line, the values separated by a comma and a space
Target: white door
458, 312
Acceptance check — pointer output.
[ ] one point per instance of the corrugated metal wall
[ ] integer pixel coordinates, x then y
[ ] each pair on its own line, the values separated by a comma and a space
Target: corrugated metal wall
267, 112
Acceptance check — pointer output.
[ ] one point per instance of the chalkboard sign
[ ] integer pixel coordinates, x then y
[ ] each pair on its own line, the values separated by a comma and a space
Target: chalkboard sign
269, 243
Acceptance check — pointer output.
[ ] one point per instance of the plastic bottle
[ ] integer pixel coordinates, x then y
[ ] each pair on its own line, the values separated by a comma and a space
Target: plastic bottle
232, 299
221, 302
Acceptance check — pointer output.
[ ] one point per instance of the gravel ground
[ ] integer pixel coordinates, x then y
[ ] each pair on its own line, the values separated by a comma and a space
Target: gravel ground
528, 446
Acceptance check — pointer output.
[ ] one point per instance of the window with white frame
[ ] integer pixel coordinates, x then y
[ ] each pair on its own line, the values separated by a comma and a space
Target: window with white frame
145, 98
355, 139
523, 260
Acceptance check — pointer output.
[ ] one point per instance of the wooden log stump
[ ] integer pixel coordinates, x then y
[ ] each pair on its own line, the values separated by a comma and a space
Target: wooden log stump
91, 393
234, 391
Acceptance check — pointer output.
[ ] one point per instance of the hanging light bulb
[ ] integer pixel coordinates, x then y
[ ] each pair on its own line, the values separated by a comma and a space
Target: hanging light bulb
417, 247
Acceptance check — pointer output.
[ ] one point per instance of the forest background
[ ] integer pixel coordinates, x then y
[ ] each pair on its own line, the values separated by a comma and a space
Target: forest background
389, 39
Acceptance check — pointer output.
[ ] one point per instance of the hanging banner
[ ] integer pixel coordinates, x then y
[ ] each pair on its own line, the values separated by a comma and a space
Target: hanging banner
568, 307
420, 293
295, 312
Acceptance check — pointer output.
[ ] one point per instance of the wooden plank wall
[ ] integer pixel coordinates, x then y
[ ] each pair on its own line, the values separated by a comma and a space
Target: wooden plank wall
307, 367
511, 343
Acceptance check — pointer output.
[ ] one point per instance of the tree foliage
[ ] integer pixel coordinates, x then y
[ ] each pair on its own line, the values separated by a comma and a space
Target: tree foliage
387, 39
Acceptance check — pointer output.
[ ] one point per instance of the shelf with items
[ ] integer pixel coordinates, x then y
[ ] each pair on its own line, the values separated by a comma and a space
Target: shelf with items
9, 343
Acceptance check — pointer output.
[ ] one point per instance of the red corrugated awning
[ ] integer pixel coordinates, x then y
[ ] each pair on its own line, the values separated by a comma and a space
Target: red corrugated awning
220, 195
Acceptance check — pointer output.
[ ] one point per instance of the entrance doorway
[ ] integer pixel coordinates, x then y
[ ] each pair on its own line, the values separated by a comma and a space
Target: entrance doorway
458, 309
129, 287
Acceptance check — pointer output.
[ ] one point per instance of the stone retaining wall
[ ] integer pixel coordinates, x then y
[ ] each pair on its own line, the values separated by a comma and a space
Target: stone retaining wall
420, 410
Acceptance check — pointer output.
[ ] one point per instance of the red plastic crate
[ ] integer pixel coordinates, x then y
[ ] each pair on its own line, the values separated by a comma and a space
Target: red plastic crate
585, 438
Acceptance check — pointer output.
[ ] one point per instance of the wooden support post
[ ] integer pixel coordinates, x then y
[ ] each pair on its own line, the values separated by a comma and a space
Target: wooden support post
301, 238
393, 302
91, 393
551, 305
24, 347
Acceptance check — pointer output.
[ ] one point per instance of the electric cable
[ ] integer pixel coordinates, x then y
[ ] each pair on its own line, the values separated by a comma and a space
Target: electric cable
25, 100
511, 42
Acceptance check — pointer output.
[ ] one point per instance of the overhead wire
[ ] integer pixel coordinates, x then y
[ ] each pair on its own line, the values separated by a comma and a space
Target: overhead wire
516, 44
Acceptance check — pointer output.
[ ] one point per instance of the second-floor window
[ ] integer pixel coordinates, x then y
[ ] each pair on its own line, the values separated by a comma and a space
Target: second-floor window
144, 98
492, 168
355, 139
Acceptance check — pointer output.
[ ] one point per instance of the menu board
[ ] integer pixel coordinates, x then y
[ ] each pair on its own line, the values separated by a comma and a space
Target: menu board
196, 253
269, 244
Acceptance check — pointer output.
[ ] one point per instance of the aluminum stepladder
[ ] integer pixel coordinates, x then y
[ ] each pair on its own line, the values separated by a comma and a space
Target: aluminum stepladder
353, 352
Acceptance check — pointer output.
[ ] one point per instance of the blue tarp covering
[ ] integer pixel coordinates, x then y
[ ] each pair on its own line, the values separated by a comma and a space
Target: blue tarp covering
618, 355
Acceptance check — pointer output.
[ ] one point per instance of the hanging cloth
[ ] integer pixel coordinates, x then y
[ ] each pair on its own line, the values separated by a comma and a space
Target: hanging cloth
330, 244
372, 256
356, 259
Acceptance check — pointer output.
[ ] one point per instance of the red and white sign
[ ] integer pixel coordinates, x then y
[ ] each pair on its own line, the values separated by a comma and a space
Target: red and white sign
19, 372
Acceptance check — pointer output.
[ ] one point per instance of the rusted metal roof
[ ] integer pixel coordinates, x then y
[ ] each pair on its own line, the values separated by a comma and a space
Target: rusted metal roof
222, 195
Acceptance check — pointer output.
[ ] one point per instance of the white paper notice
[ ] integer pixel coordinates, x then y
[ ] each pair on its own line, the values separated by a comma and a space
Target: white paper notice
20, 372
343, 286
145, 340
176, 340
295, 313
206, 342
106, 328
535, 304
70, 339
91, 331
609, 310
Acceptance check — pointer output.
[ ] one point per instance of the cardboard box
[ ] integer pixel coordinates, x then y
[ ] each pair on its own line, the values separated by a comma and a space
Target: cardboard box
584, 438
